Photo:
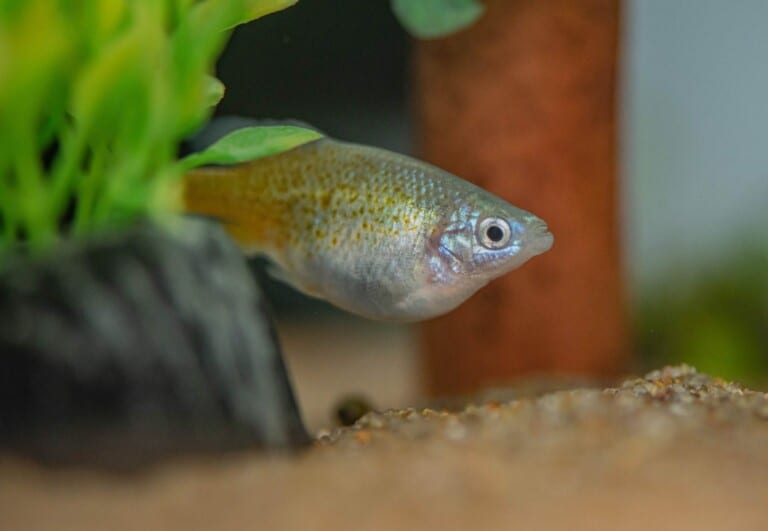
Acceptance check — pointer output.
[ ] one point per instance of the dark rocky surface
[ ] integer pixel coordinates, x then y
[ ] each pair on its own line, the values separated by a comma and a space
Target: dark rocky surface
138, 345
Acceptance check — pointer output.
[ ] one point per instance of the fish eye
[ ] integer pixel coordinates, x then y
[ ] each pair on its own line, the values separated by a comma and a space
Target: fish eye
494, 233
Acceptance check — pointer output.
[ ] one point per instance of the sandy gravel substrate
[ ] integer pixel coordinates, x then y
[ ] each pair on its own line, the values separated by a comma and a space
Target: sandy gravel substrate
674, 450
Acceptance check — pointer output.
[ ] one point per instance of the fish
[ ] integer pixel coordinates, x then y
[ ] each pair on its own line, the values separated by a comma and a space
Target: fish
376, 233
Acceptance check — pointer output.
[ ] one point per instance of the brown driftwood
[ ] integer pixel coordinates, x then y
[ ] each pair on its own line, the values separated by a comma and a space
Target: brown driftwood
523, 104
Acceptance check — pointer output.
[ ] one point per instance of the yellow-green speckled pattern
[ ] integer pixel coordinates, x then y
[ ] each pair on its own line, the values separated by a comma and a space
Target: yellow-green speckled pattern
315, 197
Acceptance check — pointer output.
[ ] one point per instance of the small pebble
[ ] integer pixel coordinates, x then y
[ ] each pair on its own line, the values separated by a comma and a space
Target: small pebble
351, 408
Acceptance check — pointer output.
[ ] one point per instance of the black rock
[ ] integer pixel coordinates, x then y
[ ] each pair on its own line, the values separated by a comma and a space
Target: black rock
140, 345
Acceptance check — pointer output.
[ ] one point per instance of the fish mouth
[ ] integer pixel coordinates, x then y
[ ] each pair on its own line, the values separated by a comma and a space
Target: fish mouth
539, 239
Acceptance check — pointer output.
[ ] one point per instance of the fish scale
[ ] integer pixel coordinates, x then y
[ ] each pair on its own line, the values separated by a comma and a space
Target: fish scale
377, 233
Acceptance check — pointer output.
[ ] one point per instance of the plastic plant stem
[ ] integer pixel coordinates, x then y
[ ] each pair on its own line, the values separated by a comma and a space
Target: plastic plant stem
30, 187
87, 190
7, 210
523, 104
65, 168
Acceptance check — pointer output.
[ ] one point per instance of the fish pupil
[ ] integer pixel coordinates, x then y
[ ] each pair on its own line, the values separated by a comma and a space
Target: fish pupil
494, 233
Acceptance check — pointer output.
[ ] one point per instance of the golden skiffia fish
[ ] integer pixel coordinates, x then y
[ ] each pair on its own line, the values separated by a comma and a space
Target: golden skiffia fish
374, 232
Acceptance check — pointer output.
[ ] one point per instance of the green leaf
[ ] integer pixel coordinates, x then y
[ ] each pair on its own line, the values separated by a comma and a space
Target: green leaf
112, 92
259, 8
229, 15
429, 19
214, 90
250, 143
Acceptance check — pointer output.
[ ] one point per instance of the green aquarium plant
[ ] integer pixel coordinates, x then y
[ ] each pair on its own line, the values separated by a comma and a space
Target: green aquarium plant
95, 99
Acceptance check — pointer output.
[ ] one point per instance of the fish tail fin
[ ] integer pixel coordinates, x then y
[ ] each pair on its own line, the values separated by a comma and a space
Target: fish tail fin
203, 191
208, 192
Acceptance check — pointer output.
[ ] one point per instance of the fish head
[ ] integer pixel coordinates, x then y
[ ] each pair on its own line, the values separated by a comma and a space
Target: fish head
482, 238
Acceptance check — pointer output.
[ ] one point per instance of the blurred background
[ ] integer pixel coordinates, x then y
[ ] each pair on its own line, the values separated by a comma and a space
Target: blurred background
692, 175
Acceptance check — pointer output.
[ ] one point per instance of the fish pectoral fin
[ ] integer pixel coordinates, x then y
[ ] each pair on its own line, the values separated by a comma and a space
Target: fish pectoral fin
281, 275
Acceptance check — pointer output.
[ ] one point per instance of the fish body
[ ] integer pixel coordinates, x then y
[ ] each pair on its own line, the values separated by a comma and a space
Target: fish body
374, 232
